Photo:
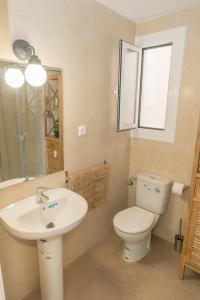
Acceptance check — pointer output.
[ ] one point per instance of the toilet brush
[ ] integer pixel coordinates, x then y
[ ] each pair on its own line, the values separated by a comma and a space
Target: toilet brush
179, 238
180, 227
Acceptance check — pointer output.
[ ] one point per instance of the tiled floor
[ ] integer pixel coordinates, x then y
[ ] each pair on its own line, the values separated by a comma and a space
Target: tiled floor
101, 274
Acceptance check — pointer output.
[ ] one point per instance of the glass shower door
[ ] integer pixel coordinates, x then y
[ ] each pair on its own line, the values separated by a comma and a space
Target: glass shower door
22, 143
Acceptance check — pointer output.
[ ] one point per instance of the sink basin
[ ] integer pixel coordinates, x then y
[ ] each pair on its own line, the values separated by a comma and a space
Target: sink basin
24, 220
47, 222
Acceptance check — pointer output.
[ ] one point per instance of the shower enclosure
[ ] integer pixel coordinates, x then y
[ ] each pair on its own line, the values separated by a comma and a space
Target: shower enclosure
22, 143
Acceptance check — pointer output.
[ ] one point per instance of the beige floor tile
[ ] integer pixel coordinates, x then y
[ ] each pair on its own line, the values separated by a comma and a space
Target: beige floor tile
102, 274
33, 296
169, 268
160, 287
134, 275
108, 288
105, 253
131, 275
159, 252
81, 274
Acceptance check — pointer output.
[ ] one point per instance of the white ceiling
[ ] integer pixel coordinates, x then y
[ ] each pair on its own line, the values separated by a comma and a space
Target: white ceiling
139, 10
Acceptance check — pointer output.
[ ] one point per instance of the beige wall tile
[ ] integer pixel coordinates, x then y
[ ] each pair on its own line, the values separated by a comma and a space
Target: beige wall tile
4, 30
84, 43
173, 160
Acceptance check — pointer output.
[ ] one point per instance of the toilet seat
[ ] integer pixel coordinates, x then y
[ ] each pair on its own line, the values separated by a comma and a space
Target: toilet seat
134, 220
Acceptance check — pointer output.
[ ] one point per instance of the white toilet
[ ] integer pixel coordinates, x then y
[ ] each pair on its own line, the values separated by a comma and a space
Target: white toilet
134, 225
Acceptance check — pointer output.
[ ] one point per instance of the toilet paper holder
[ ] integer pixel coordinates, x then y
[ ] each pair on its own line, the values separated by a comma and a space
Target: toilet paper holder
178, 188
186, 187
132, 181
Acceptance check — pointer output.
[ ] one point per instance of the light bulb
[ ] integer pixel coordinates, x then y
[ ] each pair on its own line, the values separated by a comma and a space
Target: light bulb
35, 74
14, 77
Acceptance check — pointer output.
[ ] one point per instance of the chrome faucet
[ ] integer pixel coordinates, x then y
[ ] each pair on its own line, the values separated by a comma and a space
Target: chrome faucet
40, 195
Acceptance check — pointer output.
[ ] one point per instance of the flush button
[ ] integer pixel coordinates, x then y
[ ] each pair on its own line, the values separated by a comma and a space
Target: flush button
148, 187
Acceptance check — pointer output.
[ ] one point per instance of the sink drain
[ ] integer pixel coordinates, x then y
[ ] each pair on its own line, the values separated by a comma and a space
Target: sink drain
50, 225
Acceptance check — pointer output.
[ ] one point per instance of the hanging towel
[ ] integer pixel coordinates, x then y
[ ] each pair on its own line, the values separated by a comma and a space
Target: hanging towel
93, 184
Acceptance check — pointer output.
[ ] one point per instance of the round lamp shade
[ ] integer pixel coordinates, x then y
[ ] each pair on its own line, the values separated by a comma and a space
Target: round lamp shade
35, 75
14, 77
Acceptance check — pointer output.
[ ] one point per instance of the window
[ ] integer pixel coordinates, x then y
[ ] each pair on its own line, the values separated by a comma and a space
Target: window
156, 63
149, 81
128, 80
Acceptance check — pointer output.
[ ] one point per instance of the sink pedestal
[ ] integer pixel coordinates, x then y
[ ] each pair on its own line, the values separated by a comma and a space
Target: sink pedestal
50, 253
65, 210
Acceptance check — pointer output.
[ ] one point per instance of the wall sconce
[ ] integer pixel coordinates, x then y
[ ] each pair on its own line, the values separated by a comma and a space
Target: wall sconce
34, 73
14, 77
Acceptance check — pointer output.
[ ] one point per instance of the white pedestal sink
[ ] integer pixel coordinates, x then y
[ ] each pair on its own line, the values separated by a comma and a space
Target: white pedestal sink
46, 223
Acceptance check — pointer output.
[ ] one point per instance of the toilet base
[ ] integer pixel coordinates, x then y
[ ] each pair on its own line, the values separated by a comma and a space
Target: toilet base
133, 252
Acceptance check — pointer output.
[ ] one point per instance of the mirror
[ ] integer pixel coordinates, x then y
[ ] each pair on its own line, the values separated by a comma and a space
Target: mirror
31, 130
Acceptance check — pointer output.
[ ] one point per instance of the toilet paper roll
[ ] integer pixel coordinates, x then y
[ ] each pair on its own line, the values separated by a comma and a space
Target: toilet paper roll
178, 188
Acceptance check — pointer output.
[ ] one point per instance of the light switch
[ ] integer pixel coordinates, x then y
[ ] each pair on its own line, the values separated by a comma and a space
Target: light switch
82, 130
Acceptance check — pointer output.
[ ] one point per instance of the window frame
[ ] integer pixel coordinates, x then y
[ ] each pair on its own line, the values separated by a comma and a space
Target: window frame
176, 37
141, 81
123, 46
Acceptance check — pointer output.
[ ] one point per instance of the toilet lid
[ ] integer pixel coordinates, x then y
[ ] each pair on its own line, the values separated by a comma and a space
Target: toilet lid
133, 220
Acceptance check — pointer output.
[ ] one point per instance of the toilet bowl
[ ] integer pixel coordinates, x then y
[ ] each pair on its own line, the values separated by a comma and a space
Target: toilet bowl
134, 225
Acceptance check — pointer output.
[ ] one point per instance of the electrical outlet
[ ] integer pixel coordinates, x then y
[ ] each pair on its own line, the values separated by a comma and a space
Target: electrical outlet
82, 130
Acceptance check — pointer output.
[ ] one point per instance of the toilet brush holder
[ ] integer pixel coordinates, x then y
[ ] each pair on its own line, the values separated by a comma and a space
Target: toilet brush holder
179, 238
178, 243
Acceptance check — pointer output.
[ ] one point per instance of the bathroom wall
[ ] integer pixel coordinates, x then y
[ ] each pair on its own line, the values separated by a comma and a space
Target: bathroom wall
174, 160
4, 30
5, 51
81, 37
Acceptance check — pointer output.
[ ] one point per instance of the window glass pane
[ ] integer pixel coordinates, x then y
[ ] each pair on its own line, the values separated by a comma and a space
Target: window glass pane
128, 89
154, 86
128, 99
